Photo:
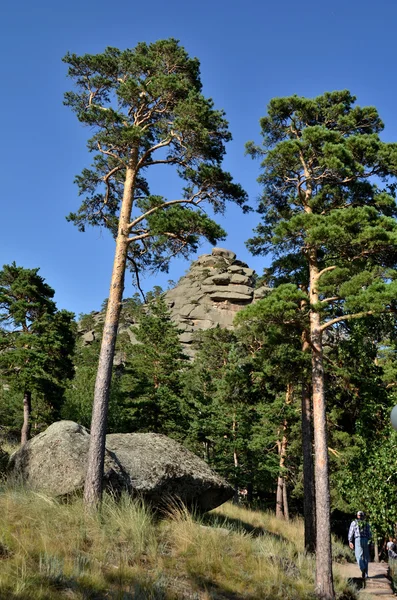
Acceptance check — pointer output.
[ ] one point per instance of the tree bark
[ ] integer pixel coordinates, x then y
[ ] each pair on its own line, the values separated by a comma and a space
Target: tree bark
96, 454
285, 500
279, 497
309, 505
235, 461
27, 410
324, 580
282, 448
376, 549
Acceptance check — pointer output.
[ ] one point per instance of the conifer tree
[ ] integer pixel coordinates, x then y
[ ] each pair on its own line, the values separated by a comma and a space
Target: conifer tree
329, 200
152, 375
36, 340
222, 402
146, 109
270, 330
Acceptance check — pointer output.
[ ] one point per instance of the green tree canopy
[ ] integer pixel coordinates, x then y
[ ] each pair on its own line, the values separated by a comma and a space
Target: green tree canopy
328, 212
36, 340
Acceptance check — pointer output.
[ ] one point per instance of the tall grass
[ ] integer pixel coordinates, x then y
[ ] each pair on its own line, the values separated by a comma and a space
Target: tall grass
52, 550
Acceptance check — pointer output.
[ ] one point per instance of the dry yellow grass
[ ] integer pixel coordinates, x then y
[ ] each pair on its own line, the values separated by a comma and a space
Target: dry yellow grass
51, 550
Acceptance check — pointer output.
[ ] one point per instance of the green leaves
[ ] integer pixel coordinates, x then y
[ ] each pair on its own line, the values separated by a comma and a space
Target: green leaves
146, 108
36, 340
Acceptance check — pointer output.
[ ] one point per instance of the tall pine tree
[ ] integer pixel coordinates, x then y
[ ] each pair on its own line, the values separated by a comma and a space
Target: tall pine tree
146, 109
329, 200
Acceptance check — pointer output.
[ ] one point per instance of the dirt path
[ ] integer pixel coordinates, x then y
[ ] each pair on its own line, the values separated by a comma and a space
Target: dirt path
377, 586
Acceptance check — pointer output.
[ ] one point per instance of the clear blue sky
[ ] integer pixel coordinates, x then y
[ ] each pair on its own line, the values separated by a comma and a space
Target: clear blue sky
250, 52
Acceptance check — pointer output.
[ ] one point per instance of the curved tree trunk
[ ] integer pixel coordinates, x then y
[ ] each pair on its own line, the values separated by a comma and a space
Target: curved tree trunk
324, 580
27, 410
96, 454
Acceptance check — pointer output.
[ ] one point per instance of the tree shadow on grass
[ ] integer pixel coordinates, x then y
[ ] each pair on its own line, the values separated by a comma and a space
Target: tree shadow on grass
217, 592
214, 520
68, 587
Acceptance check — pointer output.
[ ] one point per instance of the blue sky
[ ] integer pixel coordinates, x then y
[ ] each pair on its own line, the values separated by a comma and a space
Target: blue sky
249, 51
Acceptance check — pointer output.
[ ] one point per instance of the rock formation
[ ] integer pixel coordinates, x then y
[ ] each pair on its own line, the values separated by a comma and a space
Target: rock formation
160, 468
215, 288
55, 461
148, 465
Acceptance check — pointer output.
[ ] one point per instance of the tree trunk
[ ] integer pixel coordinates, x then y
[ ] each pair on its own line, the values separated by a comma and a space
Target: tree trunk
309, 505
376, 549
324, 580
279, 496
285, 501
96, 454
235, 460
27, 410
282, 448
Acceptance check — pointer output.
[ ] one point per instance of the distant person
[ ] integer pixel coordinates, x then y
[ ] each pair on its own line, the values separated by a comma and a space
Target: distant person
391, 548
359, 540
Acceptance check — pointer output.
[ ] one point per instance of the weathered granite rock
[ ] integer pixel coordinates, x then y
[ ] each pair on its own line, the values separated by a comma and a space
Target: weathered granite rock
55, 461
150, 465
218, 285
160, 469
214, 289
230, 296
225, 253
261, 292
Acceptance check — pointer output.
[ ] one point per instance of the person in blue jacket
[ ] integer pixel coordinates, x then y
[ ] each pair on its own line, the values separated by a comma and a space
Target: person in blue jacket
359, 541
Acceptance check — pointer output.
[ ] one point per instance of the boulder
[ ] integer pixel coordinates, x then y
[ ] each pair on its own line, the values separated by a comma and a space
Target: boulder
148, 465
224, 253
160, 469
261, 292
55, 461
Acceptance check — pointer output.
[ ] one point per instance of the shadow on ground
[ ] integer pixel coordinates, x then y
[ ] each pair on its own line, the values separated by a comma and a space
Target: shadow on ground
238, 525
359, 582
217, 592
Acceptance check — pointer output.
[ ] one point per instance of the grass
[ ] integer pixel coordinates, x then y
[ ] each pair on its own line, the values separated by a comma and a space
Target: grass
52, 550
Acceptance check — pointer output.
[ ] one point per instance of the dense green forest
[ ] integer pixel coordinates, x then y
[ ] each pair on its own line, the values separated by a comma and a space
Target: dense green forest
238, 403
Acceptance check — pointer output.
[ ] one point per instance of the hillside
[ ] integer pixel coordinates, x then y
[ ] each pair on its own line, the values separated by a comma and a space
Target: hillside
55, 551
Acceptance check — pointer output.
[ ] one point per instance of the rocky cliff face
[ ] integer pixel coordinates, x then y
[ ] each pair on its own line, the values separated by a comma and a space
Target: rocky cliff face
214, 289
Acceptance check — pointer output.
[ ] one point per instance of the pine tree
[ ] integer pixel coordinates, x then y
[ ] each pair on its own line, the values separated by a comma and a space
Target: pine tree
222, 403
271, 331
36, 340
329, 199
146, 108
151, 380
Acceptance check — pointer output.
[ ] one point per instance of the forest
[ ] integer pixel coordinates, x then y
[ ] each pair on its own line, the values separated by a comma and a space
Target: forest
291, 405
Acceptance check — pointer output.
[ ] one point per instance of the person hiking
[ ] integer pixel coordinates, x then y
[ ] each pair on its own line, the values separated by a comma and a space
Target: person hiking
391, 548
359, 539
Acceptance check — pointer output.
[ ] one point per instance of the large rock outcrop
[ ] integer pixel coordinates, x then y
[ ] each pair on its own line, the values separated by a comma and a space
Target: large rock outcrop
148, 465
160, 468
55, 461
214, 289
